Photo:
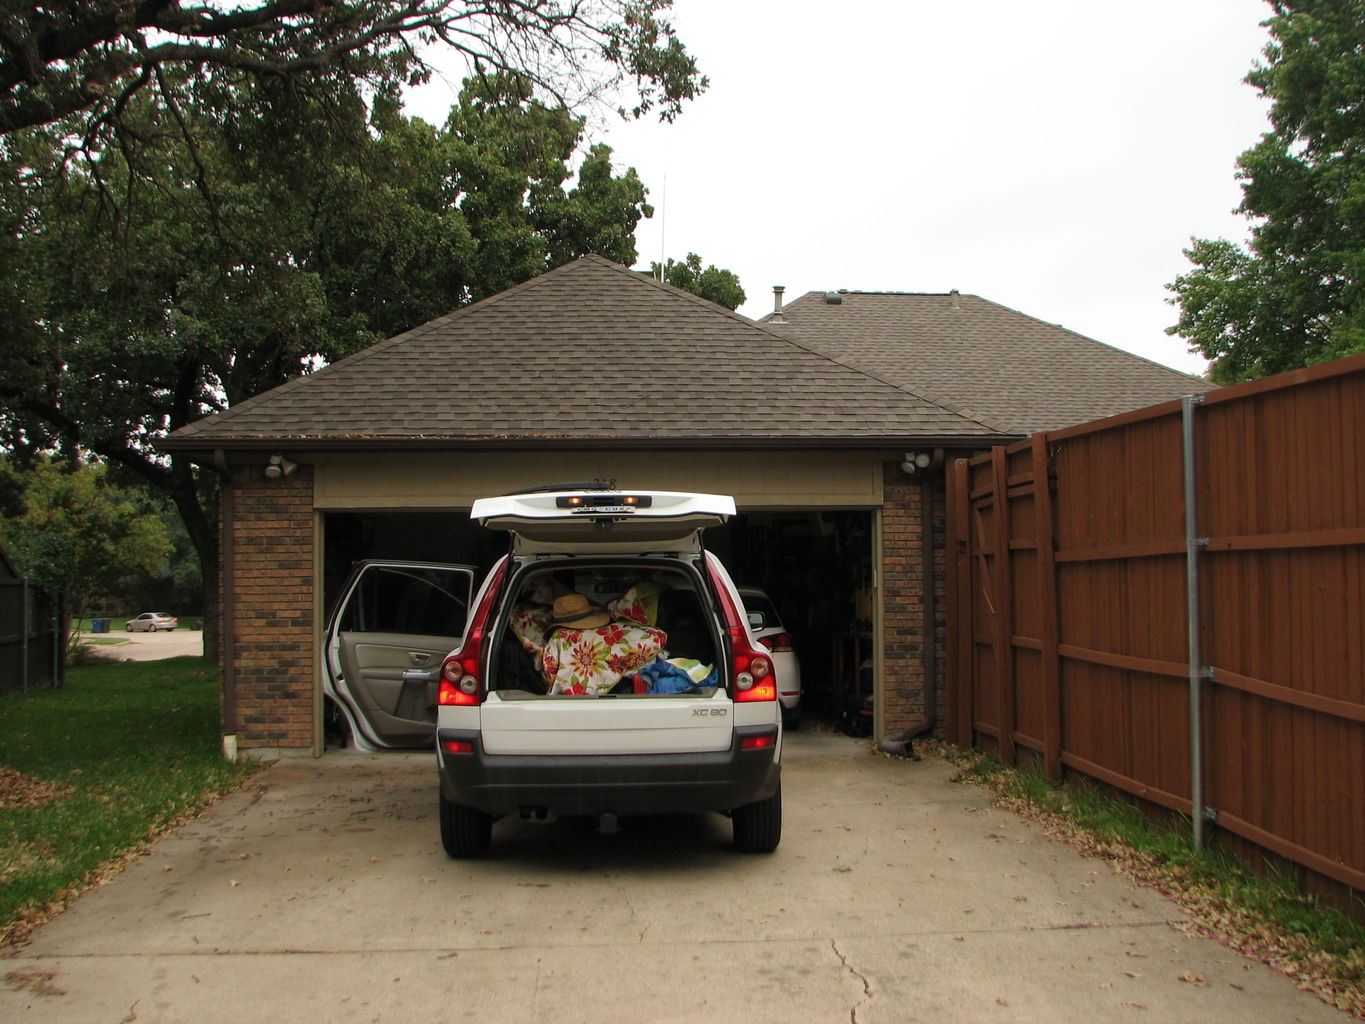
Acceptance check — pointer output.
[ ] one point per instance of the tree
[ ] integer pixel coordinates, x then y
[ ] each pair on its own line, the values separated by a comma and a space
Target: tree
79, 537
244, 235
719, 286
87, 59
1295, 295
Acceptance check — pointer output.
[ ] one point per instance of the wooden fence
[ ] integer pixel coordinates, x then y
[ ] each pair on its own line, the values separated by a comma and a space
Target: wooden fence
1075, 582
31, 655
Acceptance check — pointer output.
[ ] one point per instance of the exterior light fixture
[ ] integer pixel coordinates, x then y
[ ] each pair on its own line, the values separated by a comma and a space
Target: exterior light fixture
916, 463
279, 466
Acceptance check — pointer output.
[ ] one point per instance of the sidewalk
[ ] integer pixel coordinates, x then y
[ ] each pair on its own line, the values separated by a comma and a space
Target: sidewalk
896, 896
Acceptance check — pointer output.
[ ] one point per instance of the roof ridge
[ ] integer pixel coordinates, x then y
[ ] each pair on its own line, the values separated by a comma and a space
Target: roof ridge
384, 344
915, 390
716, 307
1086, 337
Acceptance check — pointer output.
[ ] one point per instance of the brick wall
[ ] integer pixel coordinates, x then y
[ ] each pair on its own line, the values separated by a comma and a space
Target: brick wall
268, 595
909, 690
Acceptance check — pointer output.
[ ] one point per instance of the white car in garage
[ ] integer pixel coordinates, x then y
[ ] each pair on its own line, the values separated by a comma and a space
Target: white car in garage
766, 627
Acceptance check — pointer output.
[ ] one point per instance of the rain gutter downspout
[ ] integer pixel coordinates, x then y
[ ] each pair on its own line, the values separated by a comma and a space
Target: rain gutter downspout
227, 605
930, 611
1193, 544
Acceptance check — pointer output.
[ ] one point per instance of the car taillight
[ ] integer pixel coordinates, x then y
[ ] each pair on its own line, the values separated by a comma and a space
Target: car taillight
460, 686
753, 676
460, 676
780, 643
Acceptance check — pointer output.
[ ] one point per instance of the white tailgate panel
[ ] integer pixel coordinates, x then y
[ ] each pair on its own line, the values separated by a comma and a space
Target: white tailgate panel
597, 725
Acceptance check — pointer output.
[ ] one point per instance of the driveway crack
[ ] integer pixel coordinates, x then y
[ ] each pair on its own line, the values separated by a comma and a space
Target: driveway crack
862, 980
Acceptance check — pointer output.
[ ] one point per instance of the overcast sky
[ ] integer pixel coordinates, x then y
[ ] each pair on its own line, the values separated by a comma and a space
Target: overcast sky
1052, 156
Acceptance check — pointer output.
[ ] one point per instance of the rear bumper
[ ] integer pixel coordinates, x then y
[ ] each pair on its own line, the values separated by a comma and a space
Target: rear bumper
599, 784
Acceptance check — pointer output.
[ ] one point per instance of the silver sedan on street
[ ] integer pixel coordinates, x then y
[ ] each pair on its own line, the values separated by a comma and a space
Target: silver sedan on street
151, 622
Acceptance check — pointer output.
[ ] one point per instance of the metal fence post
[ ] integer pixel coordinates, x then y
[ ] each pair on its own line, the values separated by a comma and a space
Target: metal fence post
1193, 544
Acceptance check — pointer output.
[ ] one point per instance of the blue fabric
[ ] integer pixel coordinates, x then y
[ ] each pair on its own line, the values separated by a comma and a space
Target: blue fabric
665, 677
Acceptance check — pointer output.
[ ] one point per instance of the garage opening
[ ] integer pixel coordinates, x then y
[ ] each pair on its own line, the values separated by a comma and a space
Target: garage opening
816, 566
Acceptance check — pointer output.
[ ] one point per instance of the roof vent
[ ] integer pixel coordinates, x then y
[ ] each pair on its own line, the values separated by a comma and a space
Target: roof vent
954, 295
833, 298
778, 289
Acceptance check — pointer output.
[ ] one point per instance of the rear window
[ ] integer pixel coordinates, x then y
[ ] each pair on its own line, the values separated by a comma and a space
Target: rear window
762, 605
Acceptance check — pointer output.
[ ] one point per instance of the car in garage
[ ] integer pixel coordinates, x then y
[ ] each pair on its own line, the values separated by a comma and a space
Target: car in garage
766, 627
151, 622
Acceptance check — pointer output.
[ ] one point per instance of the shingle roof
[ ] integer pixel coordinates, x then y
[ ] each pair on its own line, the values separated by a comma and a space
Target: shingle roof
588, 353
1004, 368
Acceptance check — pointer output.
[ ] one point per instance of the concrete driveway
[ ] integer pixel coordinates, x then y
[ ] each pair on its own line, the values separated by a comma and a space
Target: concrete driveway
149, 646
896, 896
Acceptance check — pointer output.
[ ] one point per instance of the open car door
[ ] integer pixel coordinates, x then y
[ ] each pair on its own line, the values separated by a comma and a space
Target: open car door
386, 639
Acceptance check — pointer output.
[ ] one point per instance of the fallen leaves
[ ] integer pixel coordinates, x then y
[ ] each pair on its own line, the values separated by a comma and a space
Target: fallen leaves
20, 790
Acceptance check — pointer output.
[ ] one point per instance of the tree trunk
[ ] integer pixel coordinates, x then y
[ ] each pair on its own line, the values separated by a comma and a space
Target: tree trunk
197, 502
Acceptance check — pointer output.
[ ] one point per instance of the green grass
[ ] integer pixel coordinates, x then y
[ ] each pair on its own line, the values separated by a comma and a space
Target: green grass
136, 742
1321, 946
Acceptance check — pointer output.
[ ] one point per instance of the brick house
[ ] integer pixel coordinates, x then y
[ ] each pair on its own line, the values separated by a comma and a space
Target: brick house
813, 418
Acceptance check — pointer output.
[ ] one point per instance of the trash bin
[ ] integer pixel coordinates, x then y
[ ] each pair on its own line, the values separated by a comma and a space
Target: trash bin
99, 625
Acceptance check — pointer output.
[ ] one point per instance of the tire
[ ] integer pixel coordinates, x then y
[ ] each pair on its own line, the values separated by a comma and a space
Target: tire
465, 831
758, 826
128, 627
791, 719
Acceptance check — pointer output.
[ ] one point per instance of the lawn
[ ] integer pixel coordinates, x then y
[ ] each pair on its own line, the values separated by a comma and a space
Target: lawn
89, 773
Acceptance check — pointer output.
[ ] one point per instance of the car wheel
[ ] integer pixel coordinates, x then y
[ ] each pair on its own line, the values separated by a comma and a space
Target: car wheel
791, 719
128, 626
465, 831
758, 826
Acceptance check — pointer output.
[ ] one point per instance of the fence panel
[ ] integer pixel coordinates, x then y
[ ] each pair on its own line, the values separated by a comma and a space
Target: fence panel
29, 656
1070, 565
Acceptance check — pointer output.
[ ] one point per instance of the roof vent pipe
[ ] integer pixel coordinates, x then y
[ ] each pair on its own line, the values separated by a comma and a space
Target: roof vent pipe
954, 295
778, 289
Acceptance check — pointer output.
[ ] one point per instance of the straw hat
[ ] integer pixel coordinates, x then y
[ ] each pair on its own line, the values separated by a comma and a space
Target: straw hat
577, 611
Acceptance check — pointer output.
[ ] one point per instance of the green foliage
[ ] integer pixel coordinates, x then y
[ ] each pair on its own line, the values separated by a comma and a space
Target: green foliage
719, 286
133, 747
84, 60
79, 537
1297, 295
251, 229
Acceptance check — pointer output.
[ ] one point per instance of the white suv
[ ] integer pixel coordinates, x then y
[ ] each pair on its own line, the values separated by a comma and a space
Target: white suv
607, 667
